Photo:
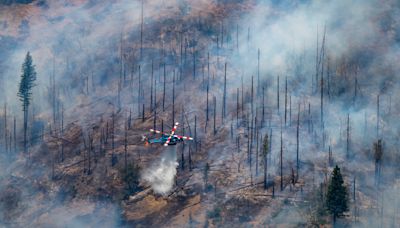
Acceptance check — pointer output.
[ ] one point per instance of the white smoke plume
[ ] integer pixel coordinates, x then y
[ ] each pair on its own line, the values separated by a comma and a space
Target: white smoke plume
161, 174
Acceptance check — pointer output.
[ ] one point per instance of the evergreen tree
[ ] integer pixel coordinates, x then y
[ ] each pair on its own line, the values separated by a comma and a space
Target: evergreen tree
337, 199
131, 176
28, 78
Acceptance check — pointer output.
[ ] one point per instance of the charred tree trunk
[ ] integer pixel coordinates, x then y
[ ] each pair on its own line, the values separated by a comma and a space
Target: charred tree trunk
207, 110
151, 86
183, 144
377, 117
263, 107
322, 61
139, 91
265, 156
248, 140
141, 33
290, 110
190, 158
195, 133
143, 112
242, 99
15, 135
237, 108
277, 95
113, 159
173, 100
273, 189
208, 67
328, 75
163, 102
5, 126
106, 134
25, 129
257, 149
215, 114
309, 118
90, 139
297, 142
62, 133
130, 119
181, 57
348, 137
317, 64
222, 34
251, 150
378, 153
252, 99
155, 119
126, 149
194, 64
281, 160
258, 71
285, 100
224, 97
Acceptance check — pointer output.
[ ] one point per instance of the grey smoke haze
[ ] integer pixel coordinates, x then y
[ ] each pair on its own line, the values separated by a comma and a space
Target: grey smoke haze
85, 41
81, 40
360, 32
362, 43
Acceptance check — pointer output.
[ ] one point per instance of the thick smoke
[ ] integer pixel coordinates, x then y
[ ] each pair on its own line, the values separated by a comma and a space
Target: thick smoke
161, 174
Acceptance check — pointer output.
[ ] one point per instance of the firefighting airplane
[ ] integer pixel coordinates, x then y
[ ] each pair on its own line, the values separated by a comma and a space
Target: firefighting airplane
166, 139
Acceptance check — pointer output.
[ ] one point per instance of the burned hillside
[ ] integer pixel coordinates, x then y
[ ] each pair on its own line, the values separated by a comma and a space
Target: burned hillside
274, 95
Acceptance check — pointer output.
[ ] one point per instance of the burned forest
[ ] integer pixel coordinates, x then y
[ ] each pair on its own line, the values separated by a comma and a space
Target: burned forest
208, 113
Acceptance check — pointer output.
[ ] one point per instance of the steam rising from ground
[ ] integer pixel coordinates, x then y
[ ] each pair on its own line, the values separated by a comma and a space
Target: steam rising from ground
161, 174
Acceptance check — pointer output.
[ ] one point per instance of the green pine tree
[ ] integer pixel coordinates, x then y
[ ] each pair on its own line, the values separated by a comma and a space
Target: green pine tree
131, 177
28, 78
337, 198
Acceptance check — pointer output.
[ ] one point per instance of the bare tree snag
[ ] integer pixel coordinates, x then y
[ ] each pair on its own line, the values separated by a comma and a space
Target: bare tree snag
215, 114
285, 100
224, 97
281, 159
163, 102
297, 141
277, 95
